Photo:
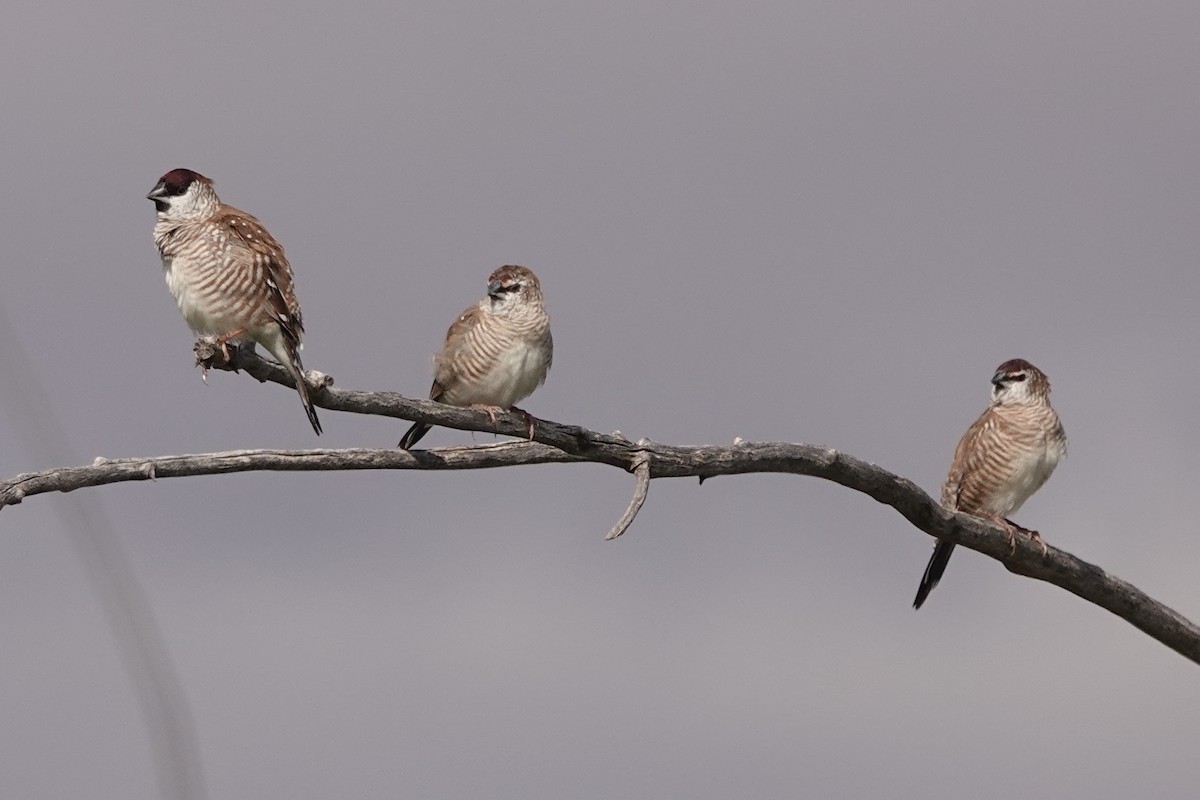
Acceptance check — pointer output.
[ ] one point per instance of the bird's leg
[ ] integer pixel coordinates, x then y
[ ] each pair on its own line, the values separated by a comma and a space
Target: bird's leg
529, 420
1013, 529
491, 411
1008, 526
224, 338
1033, 535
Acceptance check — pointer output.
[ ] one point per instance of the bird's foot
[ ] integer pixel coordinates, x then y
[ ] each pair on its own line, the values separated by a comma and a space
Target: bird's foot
491, 411
1009, 527
1033, 535
224, 338
530, 421
219, 352
1013, 529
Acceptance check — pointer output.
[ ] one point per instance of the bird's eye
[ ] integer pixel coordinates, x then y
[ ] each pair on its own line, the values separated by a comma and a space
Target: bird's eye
516, 287
1020, 376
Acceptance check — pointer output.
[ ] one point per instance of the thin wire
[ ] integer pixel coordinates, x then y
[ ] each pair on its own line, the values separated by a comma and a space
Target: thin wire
139, 642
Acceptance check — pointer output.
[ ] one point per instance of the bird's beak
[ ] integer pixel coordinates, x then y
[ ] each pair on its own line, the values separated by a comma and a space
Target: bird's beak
494, 290
159, 190
998, 379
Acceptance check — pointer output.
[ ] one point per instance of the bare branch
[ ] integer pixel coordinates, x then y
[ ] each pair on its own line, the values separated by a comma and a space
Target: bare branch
381, 404
104, 471
641, 469
556, 443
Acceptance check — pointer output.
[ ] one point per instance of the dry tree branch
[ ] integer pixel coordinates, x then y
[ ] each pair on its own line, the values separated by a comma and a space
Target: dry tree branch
555, 443
641, 470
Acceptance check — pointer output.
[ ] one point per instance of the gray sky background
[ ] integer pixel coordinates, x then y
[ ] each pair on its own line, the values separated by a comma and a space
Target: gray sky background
821, 223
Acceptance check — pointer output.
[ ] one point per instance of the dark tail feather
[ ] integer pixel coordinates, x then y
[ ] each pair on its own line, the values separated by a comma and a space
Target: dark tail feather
933, 572
297, 370
414, 435
309, 408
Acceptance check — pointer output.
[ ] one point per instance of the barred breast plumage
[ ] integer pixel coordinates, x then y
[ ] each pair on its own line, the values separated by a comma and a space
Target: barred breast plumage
1004, 458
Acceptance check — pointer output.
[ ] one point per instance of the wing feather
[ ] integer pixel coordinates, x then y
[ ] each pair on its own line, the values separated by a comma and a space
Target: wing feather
254, 244
447, 372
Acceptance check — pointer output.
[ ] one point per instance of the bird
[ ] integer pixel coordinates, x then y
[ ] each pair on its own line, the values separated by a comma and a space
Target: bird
497, 351
228, 275
1002, 459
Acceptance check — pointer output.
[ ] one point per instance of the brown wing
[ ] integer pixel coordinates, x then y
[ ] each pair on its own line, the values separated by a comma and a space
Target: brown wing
446, 372
253, 242
969, 459
989, 456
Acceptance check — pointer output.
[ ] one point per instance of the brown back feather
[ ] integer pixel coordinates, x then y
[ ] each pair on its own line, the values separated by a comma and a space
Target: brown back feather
256, 245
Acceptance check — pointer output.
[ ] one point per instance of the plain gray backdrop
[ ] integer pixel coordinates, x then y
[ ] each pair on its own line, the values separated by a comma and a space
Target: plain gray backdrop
795, 221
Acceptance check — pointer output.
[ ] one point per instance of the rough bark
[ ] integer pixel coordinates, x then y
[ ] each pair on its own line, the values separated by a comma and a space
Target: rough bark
556, 443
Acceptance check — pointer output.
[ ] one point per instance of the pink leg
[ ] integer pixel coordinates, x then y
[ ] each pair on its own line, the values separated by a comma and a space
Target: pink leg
491, 411
224, 339
1013, 529
529, 420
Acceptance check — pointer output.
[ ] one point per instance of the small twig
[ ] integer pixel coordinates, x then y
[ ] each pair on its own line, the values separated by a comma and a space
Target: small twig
641, 470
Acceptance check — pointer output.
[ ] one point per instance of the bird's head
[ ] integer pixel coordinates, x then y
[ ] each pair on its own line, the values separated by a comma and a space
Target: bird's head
1018, 381
513, 286
182, 194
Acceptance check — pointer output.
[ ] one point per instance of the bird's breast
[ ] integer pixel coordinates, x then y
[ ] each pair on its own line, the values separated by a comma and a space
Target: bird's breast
1028, 470
509, 377
214, 292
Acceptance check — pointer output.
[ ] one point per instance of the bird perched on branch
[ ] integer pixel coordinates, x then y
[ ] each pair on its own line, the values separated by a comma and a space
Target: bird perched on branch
1002, 459
228, 275
496, 353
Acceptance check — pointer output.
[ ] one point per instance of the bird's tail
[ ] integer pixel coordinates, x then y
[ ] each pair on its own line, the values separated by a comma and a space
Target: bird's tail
933, 572
309, 408
414, 435
296, 367
286, 350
